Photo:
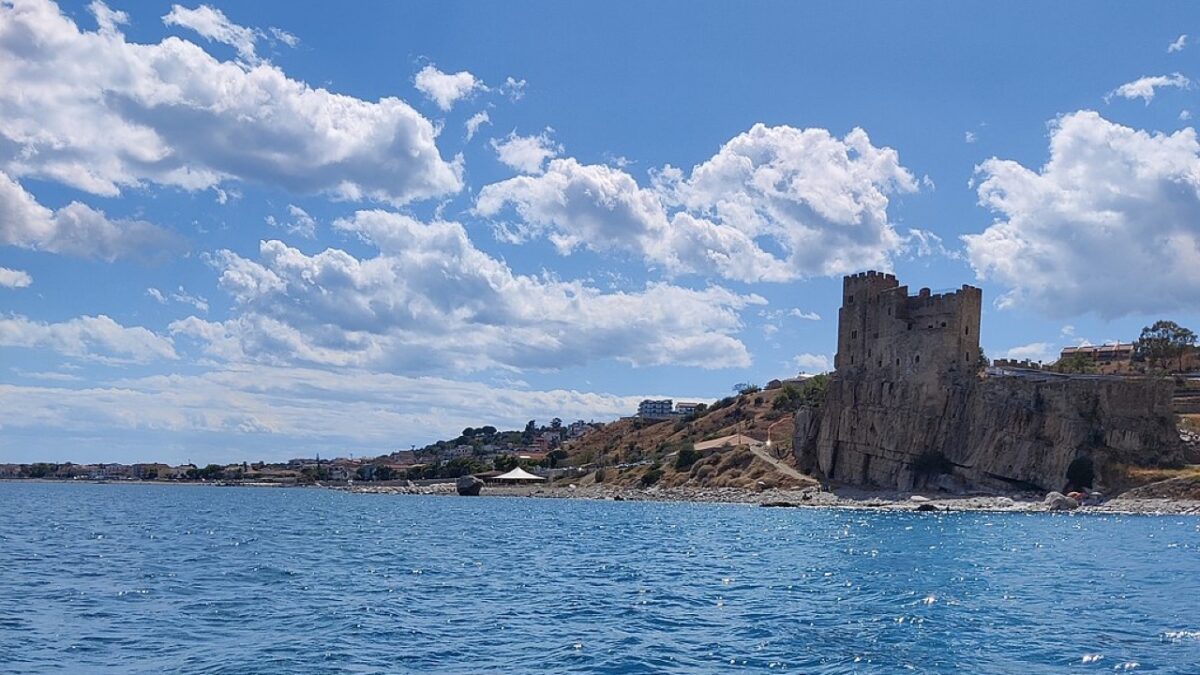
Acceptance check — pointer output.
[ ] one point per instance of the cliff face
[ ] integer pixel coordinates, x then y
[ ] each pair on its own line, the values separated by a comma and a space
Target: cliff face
998, 433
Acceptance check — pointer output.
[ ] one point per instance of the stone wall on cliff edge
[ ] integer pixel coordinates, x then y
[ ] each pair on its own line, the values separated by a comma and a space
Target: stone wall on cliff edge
996, 433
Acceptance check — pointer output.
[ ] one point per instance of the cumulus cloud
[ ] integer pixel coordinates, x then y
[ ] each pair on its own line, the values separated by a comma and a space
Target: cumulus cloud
475, 121
1111, 223
300, 224
96, 337
970, 137
819, 200
431, 299
99, 113
526, 154
14, 278
1178, 45
76, 229
446, 89
813, 363
213, 25
1145, 88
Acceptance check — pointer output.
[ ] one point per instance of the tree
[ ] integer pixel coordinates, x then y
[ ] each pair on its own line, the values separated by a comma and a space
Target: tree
556, 424
1162, 341
468, 432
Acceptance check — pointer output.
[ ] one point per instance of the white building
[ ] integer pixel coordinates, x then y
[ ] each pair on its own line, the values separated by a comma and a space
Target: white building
656, 409
686, 408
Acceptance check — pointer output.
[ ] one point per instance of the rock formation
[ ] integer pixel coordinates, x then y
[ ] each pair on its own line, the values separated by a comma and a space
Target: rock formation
468, 486
892, 421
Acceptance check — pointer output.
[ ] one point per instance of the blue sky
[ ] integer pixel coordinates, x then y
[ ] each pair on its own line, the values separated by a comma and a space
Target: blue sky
271, 229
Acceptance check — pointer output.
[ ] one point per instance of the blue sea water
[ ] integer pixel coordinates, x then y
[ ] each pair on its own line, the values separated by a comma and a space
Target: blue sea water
151, 579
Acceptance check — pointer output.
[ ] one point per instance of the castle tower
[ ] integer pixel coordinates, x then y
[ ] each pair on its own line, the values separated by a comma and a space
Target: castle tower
882, 329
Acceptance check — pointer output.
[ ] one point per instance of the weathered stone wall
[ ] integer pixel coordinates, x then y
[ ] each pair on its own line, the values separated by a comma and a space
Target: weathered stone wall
997, 433
884, 330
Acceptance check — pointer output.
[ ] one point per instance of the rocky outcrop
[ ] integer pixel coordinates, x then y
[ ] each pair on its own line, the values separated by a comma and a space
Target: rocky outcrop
468, 486
999, 433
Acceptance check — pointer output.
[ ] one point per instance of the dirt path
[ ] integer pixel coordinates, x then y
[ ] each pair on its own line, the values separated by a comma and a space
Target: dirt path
779, 465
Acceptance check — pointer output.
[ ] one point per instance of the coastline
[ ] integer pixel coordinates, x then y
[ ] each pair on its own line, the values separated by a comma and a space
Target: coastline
839, 498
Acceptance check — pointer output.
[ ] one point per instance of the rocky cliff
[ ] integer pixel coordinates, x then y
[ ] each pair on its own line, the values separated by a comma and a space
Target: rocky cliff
1001, 433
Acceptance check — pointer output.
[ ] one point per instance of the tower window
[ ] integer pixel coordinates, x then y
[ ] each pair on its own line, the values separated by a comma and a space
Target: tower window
967, 330
918, 358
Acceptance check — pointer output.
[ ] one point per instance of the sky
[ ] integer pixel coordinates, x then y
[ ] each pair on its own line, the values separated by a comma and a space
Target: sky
243, 231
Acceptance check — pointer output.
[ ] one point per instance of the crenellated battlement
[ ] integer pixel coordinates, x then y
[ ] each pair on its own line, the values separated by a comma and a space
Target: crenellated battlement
882, 327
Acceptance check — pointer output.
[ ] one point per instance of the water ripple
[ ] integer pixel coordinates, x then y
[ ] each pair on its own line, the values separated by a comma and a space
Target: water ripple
148, 579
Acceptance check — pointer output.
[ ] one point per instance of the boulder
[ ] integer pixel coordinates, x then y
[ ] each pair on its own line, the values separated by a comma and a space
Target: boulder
927, 507
468, 486
1057, 501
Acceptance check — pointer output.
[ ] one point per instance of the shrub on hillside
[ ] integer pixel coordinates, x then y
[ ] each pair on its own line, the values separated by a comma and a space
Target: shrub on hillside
652, 476
687, 456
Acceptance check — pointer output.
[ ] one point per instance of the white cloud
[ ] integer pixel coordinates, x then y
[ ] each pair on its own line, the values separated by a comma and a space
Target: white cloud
93, 111
301, 410
301, 224
794, 312
821, 200
1146, 87
1111, 224
213, 25
1178, 45
526, 154
970, 137
1185, 115
475, 121
431, 299
1034, 351
813, 363
182, 296
280, 35
97, 337
157, 295
446, 89
10, 278
513, 88
76, 229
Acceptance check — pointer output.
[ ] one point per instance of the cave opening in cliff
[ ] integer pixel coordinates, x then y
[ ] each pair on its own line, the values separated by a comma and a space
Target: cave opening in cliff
1080, 473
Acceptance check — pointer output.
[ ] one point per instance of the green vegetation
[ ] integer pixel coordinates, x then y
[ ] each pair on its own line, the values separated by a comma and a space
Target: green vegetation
808, 394
1163, 341
686, 456
652, 476
744, 388
1078, 364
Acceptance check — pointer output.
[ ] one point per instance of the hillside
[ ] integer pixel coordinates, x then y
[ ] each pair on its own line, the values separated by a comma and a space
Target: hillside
634, 451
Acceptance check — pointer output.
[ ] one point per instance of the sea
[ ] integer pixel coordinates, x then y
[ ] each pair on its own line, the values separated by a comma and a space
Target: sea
143, 578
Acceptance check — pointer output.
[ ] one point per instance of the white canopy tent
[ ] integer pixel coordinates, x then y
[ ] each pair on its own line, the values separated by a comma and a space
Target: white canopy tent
518, 474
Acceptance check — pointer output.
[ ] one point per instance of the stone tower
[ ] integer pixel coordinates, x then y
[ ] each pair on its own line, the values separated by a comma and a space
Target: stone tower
882, 330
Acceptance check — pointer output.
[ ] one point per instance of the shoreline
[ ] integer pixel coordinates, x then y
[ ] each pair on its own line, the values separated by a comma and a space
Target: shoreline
842, 499
847, 498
